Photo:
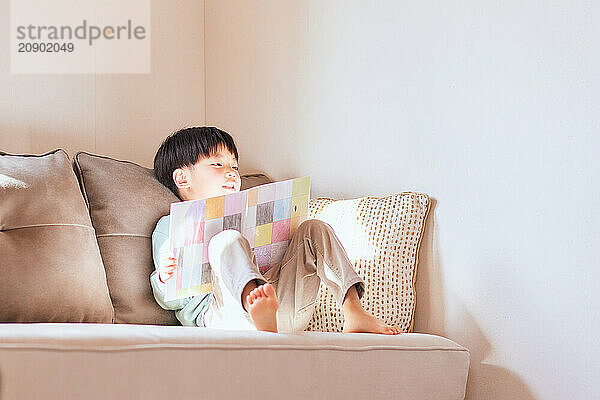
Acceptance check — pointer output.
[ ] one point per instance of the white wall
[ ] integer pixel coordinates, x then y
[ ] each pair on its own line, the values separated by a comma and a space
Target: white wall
492, 108
121, 115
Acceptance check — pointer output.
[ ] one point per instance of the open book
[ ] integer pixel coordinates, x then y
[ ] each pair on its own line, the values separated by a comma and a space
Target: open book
266, 215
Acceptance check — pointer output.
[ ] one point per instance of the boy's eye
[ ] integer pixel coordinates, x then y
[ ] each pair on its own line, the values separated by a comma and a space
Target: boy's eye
219, 164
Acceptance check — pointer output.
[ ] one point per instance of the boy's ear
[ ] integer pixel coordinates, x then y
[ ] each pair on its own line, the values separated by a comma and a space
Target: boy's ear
180, 179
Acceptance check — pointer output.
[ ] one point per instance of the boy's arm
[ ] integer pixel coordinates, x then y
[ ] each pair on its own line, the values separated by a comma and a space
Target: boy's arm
160, 250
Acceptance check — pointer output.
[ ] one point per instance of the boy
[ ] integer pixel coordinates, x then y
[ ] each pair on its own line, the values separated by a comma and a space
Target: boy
201, 162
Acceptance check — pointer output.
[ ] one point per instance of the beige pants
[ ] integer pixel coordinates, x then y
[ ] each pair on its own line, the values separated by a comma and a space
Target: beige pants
315, 254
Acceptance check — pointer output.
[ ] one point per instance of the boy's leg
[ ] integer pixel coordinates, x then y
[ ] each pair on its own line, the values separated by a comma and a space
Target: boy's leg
233, 267
315, 253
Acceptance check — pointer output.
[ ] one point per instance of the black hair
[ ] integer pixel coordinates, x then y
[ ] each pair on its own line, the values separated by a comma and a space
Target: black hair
183, 149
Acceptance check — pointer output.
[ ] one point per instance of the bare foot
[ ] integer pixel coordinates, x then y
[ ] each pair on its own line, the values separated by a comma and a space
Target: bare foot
262, 306
362, 321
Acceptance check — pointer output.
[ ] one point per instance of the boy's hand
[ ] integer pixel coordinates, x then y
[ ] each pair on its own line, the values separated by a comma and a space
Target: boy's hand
167, 269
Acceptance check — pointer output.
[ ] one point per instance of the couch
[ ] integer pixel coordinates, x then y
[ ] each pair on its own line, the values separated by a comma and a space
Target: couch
79, 320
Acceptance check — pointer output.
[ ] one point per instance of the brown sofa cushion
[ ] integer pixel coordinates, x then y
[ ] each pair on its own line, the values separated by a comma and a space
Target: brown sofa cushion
251, 180
50, 268
126, 202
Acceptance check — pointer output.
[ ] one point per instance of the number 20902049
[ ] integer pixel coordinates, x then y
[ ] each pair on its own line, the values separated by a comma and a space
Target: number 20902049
46, 47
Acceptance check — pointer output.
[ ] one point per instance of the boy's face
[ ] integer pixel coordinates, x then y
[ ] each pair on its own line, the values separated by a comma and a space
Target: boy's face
213, 176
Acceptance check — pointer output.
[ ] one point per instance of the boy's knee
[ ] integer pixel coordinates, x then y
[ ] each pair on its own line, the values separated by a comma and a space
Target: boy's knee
314, 224
223, 239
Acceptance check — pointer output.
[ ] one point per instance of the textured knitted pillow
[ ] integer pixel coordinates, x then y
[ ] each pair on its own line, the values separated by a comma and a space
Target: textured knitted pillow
382, 238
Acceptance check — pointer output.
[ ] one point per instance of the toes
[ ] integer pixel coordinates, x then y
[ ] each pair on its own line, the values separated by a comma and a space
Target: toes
268, 289
391, 330
259, 294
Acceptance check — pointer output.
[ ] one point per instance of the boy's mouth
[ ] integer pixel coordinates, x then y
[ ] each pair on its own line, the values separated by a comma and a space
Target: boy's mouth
228, 187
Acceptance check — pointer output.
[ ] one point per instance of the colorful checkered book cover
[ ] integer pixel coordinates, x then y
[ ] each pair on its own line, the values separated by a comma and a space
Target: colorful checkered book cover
266, 215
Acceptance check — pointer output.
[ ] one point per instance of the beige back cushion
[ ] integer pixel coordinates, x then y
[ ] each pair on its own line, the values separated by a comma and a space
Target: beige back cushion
50, 265
126, 202
382, 238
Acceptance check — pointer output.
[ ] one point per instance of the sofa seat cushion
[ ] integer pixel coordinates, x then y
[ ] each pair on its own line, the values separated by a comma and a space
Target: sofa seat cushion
98, 361
50, 265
